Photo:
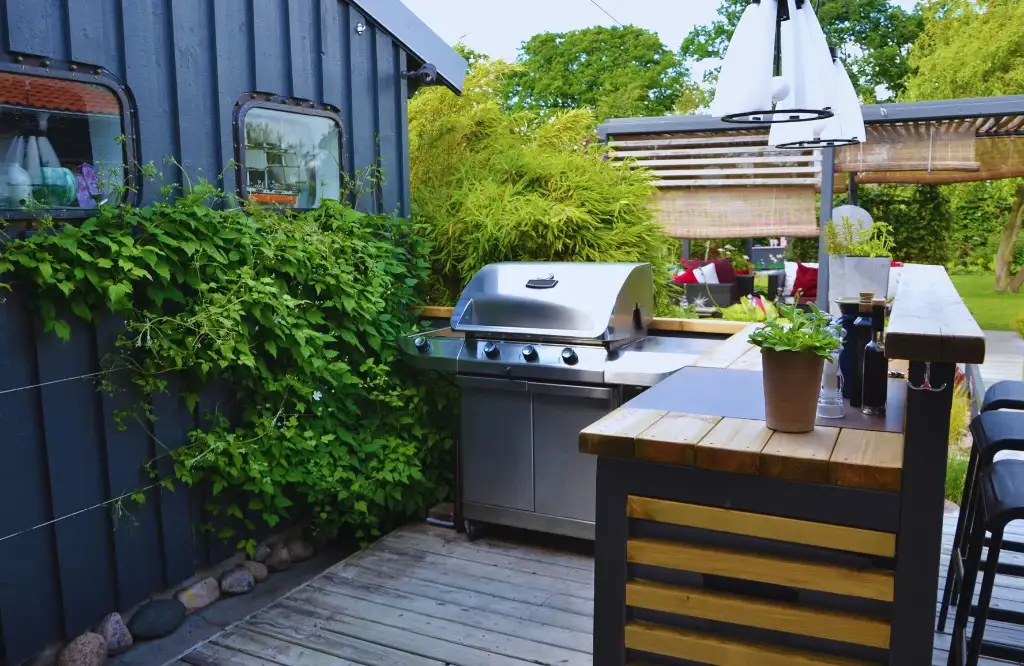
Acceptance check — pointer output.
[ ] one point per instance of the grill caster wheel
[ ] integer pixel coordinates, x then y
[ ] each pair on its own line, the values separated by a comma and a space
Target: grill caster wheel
474, 530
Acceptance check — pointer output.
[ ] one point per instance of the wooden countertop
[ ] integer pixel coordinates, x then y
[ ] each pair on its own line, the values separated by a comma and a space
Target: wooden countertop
930, 322
711, 415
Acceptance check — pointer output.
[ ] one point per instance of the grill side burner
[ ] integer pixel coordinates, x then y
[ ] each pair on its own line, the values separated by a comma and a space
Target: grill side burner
541, 351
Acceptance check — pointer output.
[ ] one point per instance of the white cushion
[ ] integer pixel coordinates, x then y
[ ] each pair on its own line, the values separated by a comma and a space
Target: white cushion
706, 274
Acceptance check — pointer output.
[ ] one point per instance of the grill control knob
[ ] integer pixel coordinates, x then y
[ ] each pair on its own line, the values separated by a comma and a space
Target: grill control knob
491, 350
529, 353
422, 344
569, 357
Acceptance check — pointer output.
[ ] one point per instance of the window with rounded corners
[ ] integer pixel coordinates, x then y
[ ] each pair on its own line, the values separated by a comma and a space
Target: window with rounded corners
288, 152
66, 142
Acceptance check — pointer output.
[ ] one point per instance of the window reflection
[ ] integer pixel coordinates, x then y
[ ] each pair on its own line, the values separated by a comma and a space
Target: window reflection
59, 142
290, 159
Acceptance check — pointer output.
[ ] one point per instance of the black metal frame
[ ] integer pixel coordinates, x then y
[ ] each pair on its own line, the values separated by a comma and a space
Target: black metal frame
257, 100
88, 74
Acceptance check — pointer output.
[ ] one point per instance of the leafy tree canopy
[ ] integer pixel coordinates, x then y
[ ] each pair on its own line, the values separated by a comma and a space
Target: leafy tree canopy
614, 72
873, 38
968, 49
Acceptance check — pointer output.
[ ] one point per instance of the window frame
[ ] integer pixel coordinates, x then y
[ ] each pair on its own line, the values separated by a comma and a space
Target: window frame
292, 105
46, 68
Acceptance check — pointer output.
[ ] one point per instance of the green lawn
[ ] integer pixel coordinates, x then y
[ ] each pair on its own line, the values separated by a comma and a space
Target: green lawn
994, 311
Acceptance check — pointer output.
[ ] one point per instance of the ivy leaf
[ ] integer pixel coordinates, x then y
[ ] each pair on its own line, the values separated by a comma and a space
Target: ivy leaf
117, 292
82, 310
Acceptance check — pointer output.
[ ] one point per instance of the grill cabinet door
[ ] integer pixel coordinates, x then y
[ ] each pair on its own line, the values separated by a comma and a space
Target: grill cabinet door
565, 479
496, 446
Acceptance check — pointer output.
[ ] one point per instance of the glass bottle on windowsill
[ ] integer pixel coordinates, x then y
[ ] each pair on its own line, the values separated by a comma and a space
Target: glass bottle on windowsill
876, 366
861, 337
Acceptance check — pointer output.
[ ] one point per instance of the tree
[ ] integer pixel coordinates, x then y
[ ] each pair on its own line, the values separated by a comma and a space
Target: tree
873, 38
492, 185
974, 49
614, 72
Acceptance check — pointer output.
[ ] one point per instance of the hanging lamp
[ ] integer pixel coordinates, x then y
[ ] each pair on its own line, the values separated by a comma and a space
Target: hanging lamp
774, 68
845, 128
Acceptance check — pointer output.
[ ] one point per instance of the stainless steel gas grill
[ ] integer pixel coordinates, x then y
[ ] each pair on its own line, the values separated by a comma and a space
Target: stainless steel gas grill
540, 351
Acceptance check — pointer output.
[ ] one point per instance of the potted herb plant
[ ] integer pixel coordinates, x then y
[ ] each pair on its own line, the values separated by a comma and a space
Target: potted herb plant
859, 259
794, 350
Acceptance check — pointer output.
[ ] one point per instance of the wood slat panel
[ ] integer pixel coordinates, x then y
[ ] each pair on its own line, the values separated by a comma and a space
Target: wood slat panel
751, 612
695, 152
762, 526
727, 161
673, 438
799, 456
707, 649
738, 182
710, 140
613, 434
733, 445
734, 170
788, 572
930, 322
867, 459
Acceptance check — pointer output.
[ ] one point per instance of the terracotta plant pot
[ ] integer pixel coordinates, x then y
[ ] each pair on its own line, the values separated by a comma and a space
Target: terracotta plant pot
792, 381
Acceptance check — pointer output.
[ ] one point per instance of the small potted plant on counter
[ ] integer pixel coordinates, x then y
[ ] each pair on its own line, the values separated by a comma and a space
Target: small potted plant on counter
793, 353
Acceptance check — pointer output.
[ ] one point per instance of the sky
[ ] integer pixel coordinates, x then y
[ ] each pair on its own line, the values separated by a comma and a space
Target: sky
498, 27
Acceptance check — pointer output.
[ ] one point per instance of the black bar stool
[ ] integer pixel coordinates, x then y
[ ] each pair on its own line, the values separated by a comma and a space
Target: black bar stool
993, 431
1001, 499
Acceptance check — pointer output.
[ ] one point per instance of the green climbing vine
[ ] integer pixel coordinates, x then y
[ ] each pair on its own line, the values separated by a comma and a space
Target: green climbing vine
298, 313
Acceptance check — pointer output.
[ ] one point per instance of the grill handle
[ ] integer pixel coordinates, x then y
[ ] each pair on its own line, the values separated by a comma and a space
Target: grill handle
569, 390
491, 384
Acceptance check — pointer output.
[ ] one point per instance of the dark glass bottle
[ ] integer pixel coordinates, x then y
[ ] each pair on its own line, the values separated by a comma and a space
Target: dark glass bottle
861, 337
848, 309
876, 366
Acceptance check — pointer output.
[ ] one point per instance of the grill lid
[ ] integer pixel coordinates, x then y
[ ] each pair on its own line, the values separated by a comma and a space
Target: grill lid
605, 302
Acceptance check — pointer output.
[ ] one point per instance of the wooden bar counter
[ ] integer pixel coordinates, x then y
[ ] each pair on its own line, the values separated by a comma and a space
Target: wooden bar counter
720, 541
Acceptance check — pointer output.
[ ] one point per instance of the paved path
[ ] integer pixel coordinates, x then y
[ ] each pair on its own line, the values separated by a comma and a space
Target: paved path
1004, 357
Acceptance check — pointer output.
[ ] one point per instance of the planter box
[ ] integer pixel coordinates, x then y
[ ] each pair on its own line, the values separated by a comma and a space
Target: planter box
714, 295
767, 257
849, 276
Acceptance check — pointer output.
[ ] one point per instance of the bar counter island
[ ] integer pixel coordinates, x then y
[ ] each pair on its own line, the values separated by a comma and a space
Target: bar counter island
720, 541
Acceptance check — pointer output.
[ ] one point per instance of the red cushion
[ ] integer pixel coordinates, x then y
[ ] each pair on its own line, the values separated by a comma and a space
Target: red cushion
694, 263
726, 273
895, 264
806, 281
686, 277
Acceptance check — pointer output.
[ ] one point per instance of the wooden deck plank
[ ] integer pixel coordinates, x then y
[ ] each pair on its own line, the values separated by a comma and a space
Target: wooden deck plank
490, 572
289, 654
414, 568
392, 581
449, 649
209, 654
468, 598
531, 552
340, 591
461, 549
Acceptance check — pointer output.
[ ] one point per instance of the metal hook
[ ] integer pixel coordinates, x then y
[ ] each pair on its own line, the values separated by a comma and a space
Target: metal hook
926, 385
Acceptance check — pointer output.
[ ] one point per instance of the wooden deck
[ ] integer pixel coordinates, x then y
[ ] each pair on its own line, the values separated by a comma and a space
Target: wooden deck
425, 596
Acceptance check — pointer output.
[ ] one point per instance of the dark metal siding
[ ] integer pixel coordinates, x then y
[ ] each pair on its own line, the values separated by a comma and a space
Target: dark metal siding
186, 62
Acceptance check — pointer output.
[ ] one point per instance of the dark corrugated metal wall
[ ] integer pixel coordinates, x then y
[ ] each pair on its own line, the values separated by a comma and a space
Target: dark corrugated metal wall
186, 62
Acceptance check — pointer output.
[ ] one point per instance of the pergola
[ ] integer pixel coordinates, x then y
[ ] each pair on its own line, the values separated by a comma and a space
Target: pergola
722, 180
